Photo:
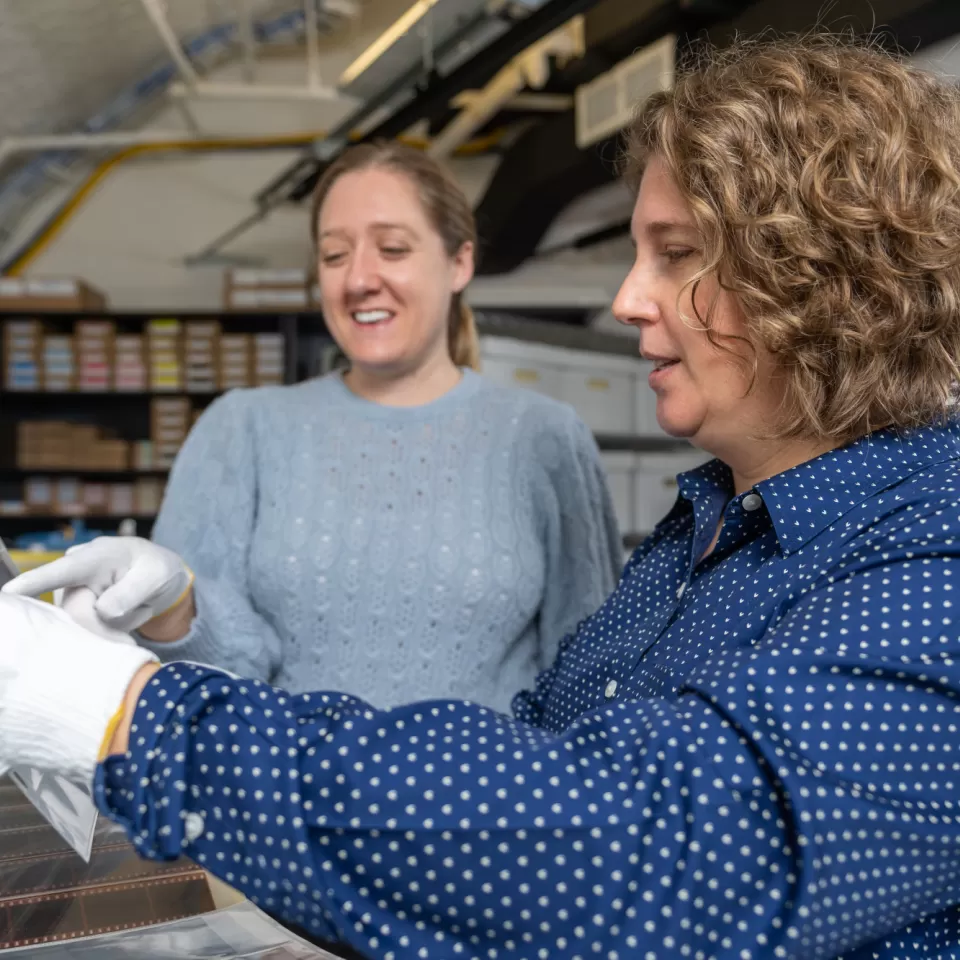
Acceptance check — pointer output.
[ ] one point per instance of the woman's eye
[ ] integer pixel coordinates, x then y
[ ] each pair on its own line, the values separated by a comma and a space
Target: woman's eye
677, 254
329, 259
393, 251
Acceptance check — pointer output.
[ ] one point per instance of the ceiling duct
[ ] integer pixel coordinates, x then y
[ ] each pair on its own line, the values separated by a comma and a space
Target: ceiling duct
413, 40
606, 105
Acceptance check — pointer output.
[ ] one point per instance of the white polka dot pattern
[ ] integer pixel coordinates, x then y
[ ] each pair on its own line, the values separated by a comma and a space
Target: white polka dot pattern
762, 765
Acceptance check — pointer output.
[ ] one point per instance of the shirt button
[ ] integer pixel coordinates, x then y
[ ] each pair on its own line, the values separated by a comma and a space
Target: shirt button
193, 826
611, 690
752, 501
681, 590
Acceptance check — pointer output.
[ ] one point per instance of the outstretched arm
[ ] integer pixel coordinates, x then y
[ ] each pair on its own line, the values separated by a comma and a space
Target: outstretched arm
794, 801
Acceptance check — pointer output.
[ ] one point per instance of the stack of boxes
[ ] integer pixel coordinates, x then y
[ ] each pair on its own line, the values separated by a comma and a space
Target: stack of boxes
195, 357
58, 445
23, 355
200, 354
269, 291
168, 356
235, 360
72, 497
130, 369
267, 359
170, 422
93, 341
163, 348
59, 364
33, 294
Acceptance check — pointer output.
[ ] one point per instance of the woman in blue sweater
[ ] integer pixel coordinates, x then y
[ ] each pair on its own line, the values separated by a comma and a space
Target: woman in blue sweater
405, 530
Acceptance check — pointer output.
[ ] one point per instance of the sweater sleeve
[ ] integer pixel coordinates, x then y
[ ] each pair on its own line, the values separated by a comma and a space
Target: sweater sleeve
581, 535
208, 517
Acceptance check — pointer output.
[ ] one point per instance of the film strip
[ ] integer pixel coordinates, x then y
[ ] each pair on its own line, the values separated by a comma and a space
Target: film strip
49, 894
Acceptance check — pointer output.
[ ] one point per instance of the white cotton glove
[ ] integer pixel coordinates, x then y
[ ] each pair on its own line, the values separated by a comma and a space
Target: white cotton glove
81, 605
133, 579
60, 686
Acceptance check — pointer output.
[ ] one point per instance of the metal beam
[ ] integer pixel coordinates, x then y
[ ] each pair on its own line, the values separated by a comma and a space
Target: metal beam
11, 146
535, 101
296, 183
248, 40
302, 174
477, 71
312, 28
531, 68
251, 91
157, 14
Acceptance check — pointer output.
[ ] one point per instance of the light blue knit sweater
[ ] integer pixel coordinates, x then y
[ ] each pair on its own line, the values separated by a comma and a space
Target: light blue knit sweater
396, 554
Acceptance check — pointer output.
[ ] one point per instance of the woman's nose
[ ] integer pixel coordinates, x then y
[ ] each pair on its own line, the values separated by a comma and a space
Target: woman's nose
362, 275
634, 303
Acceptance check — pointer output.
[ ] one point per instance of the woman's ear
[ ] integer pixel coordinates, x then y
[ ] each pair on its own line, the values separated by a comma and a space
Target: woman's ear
463, 267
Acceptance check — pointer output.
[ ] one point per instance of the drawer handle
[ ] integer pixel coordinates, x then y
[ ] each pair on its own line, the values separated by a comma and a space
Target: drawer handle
598, 383
526, 376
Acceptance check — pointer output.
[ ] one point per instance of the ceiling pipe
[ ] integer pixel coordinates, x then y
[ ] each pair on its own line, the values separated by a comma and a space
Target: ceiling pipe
156, 13
11, 146
248, 40
250, 91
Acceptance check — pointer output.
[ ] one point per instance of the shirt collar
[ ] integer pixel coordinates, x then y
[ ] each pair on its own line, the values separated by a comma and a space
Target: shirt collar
805, 500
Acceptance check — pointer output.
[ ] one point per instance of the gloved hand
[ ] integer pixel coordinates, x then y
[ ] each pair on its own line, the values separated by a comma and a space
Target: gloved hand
81, 605
134, 580
60, 686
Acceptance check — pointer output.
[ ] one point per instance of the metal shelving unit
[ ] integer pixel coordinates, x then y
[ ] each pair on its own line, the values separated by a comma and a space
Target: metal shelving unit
125, 412
128, 411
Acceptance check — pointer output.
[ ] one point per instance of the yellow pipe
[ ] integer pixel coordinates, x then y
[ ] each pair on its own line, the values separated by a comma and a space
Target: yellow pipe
63, 216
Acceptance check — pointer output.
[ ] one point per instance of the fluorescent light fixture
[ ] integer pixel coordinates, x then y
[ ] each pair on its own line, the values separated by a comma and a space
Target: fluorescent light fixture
397, 29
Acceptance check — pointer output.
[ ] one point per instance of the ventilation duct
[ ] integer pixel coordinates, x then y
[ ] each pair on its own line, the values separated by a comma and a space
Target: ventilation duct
606, 105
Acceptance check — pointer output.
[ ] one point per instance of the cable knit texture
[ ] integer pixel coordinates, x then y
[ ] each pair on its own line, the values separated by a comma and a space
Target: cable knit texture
402, 553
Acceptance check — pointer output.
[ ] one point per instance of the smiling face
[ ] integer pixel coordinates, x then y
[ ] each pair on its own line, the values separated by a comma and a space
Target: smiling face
386, 279
703, 391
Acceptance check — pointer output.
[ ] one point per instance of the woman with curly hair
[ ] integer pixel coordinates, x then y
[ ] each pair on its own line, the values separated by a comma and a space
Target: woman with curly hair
750, 750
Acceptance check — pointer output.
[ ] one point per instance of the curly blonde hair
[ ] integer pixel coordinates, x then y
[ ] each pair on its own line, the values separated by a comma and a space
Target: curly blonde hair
825, 179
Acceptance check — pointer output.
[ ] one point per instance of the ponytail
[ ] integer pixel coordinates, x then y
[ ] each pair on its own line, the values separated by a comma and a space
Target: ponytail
463, 339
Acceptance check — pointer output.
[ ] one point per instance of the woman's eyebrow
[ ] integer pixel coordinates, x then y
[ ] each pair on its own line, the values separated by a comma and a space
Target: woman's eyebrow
658, 227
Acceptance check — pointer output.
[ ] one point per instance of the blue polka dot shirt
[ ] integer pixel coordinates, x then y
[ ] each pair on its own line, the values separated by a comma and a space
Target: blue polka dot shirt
750, 754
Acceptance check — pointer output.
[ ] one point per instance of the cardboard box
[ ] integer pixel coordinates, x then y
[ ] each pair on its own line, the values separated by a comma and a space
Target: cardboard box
236, 361
266, 291
38, 494
170, 420
22, 355
143, 455
20, 294
121, 499
148, 495
164, 355
95, 497
130, 365
111, 454
201, 356
59, 368
68, 495
94, 345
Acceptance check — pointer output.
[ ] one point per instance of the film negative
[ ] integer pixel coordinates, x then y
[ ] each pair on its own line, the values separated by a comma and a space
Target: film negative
240, 932
48, 894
